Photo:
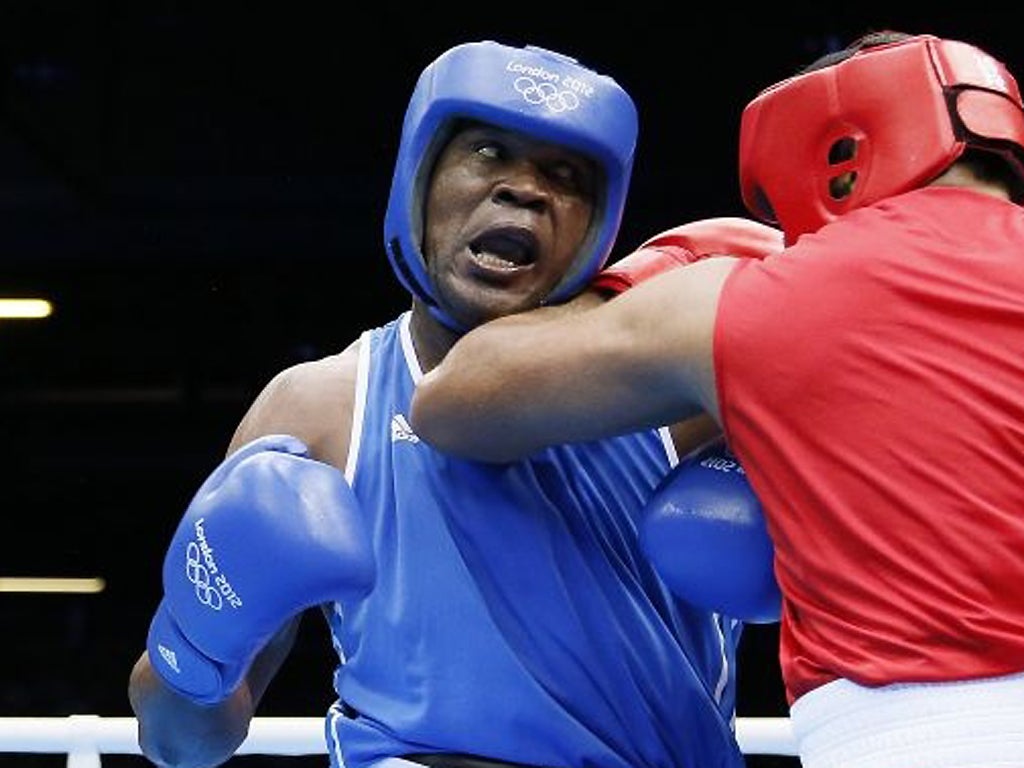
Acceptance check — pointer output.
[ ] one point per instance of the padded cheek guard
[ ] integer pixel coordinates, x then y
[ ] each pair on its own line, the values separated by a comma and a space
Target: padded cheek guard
543, 94
896, 115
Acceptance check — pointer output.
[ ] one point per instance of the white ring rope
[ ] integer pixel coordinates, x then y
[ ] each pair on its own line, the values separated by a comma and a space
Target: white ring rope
84, 737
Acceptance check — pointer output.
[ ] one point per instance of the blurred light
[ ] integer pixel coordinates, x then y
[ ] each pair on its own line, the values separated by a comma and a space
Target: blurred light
25, 308
88, 586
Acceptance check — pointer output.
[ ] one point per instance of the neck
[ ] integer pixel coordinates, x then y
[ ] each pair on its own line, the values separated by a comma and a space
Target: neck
431, 338
958, 175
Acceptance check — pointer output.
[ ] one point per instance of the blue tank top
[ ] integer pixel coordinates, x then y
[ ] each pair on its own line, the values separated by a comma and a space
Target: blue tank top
514, 616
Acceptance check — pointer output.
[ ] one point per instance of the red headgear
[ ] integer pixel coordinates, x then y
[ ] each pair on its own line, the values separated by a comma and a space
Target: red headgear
895, 115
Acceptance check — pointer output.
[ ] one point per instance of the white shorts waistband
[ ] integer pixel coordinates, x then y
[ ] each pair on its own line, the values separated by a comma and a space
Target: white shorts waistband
966, 724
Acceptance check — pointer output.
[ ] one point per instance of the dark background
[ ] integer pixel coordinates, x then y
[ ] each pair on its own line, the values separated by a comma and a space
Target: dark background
200, 189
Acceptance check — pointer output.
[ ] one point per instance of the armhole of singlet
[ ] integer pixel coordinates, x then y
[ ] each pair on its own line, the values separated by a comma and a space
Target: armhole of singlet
721, 634
358, 407
669, 446
409, 350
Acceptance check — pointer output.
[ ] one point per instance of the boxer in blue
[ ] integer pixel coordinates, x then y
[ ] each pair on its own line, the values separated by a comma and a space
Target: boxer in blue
483, 615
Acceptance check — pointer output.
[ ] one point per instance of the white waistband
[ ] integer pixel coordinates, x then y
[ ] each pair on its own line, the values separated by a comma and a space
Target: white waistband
968, 724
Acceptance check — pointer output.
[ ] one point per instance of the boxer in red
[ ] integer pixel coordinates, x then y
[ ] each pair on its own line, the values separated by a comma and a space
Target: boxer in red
869, 378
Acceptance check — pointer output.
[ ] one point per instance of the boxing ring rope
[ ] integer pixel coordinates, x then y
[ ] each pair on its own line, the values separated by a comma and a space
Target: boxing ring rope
85, 737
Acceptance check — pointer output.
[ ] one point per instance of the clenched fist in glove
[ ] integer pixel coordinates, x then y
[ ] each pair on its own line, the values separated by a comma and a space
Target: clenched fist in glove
705, 534
270, 533
685, 244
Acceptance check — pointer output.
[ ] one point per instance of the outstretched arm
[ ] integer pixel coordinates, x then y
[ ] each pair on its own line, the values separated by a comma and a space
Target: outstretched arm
521, 383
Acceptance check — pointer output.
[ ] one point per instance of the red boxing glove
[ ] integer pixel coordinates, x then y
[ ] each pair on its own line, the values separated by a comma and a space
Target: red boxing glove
685, 244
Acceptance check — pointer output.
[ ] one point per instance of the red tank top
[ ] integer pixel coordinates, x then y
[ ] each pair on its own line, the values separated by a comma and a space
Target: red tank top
871, 380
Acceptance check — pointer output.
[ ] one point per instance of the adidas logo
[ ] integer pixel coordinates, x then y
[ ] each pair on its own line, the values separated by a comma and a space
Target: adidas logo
169, 656
401, 430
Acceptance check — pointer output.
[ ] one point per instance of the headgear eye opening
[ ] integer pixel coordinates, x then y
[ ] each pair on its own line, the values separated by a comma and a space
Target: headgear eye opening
842, 151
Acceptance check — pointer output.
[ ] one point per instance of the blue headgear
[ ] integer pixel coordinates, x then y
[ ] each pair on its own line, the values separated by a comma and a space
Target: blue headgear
530, 90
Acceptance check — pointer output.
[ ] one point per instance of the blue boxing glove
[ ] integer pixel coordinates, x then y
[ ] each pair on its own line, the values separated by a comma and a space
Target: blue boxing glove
704, 532
269, 534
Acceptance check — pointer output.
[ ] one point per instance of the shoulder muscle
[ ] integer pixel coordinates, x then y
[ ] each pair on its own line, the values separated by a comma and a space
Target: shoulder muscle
313, 401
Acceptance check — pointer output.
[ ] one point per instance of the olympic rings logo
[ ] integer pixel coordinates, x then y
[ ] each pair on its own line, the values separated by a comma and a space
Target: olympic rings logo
546, 94
199, 575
